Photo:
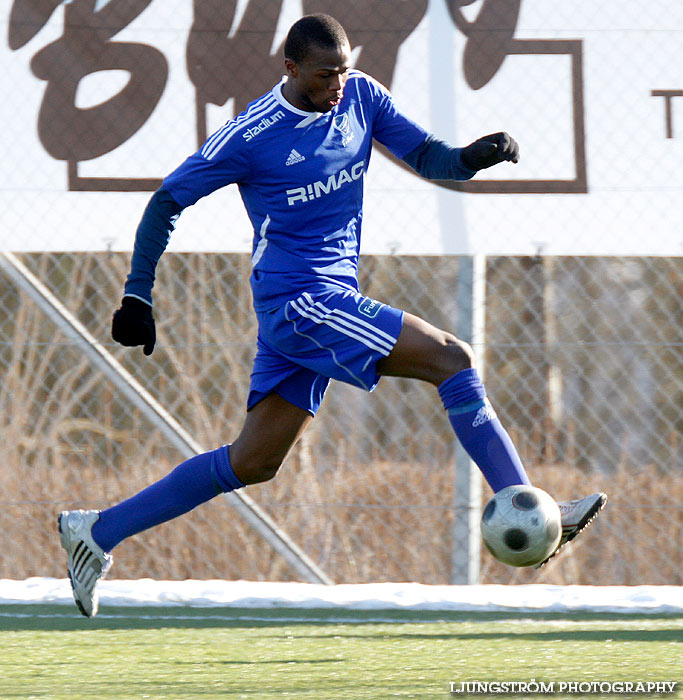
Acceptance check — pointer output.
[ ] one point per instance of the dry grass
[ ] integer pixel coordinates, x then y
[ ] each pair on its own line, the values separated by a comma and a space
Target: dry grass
362, 522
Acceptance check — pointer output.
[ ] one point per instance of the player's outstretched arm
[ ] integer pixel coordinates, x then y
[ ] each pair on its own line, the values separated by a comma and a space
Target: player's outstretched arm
133, 322
437, 160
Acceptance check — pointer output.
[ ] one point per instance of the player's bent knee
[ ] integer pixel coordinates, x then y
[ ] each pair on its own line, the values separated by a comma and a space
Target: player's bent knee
257, 471
450, 356
267, 471
465, 354
458, 355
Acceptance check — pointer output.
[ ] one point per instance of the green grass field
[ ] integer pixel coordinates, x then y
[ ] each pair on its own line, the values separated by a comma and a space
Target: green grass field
51, 652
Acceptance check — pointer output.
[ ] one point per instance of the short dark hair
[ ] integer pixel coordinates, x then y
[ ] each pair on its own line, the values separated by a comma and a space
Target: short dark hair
320, 29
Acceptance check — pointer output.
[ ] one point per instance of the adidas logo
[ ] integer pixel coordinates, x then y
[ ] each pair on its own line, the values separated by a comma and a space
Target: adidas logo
484, 415
294, 157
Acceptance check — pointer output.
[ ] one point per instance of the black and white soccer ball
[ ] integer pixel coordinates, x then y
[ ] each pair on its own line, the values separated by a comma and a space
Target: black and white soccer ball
521, 525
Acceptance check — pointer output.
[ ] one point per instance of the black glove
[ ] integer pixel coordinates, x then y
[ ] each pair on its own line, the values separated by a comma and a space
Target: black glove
133, 324
490, 150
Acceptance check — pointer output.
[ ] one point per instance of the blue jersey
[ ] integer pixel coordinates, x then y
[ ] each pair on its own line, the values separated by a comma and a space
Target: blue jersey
300, 175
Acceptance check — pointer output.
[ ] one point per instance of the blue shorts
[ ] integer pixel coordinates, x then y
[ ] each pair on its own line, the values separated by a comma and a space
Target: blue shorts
336, 333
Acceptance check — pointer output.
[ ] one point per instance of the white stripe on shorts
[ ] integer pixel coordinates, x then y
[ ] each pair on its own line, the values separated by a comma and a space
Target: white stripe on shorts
344, 323
317, 316
357, 320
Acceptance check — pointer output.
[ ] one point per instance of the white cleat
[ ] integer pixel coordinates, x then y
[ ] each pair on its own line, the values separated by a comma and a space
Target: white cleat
87, 562
576, 516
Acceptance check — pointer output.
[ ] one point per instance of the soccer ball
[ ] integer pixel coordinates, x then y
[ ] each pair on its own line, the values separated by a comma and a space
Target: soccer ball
521, 525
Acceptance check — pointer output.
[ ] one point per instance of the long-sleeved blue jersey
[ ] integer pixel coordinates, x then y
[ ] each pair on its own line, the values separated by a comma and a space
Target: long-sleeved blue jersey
300, 175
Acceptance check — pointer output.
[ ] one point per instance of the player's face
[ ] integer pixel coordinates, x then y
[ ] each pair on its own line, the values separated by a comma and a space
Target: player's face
317, 83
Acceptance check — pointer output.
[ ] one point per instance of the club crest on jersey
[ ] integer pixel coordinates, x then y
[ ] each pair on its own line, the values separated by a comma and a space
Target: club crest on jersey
319, 188
369, 307
343, 126
341, 123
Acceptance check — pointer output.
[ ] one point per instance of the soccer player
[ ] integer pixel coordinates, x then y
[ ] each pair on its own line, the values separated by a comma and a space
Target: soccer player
299, 155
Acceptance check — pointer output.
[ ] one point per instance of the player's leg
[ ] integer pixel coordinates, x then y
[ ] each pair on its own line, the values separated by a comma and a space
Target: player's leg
349, 337
270, 430
425, 352
422, 351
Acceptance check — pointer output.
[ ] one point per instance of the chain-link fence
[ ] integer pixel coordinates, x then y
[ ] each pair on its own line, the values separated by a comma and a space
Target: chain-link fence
582, 355
583, 364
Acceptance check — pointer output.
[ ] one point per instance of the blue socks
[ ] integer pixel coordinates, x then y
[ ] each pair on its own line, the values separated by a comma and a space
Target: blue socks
479, 430
193, 482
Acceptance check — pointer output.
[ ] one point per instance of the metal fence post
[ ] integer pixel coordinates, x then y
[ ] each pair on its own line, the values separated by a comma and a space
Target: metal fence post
471, 290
